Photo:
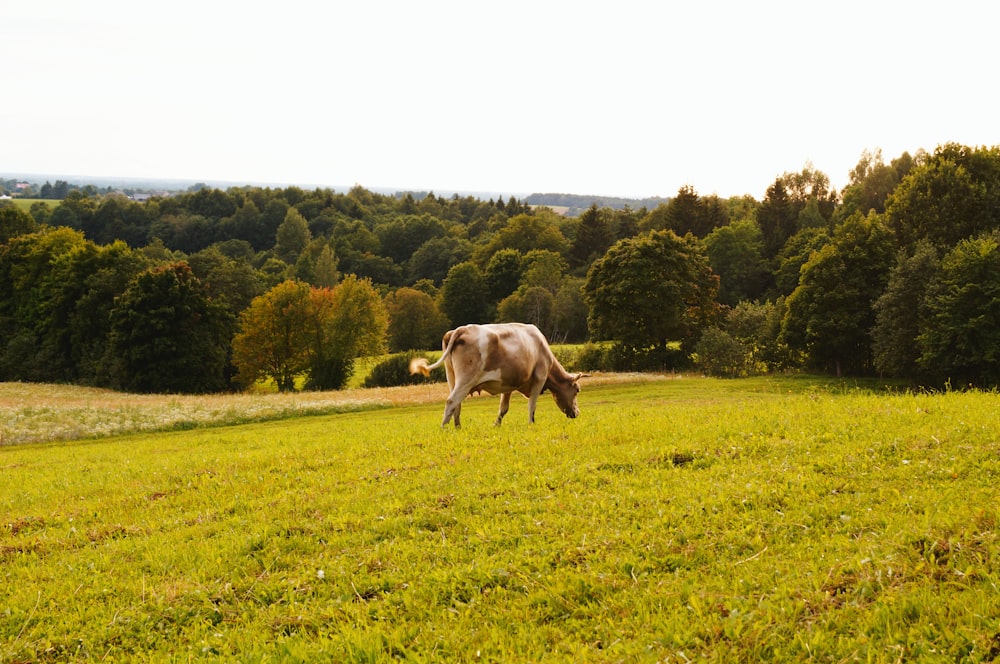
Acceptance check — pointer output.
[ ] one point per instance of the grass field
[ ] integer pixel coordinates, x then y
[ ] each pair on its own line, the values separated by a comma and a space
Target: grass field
26, 203
678, 519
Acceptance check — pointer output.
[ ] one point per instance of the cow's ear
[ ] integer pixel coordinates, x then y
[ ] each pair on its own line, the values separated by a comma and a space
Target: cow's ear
579, 376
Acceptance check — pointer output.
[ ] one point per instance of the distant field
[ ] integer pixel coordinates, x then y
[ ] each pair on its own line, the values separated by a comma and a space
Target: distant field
26, 203
678, 519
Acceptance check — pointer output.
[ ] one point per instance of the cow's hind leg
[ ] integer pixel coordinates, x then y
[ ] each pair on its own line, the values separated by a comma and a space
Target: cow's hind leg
504, 407
453, 406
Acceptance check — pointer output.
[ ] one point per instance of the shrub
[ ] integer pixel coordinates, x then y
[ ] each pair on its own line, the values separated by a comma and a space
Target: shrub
718, 353
619, 357
395, 370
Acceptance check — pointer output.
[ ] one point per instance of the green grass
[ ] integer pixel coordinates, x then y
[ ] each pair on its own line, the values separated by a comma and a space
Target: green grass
677, 519
26, 203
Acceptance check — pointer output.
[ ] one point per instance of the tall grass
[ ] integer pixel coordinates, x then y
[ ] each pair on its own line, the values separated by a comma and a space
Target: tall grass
675, 520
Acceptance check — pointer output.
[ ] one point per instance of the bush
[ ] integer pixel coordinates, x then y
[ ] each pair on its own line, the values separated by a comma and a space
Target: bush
718, 353
395, 370
619, 357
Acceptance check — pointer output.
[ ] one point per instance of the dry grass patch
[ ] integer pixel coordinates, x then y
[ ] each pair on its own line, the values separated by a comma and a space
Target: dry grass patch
35, 413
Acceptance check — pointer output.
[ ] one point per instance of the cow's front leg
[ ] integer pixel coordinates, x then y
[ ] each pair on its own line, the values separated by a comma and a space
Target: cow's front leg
536, 390
504, 407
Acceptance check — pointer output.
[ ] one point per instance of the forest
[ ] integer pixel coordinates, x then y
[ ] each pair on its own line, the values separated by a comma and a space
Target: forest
897, 275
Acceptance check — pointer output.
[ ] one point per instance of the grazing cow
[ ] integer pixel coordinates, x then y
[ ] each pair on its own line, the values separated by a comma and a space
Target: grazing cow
500, 359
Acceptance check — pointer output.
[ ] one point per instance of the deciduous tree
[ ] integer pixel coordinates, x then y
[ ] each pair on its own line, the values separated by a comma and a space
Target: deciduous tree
463, 295
273, 340
900, 309
960, 331
830, 315
415, 322
652, 289
347, 322
168, 335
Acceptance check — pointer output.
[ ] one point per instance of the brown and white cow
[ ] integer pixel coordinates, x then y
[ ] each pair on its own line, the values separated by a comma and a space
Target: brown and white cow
500, 359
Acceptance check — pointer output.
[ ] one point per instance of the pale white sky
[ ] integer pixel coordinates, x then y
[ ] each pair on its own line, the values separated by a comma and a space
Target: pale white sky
628, 98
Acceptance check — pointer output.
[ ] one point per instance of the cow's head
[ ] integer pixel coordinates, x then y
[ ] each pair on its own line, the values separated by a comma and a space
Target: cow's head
564, 392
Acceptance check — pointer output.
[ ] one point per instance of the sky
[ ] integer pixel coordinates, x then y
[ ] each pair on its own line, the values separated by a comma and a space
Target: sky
626, 98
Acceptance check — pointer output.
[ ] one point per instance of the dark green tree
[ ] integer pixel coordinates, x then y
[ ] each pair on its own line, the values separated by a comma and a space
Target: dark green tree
14, 221
687, 212
777, 217
168, 335
503, 273
593, 237
292, 237
436, 256
650, 290
736, 254
796, 252
830, 314
462, 295
402, 236
953, 195
29, 292
415, 321
960, 332
900, 309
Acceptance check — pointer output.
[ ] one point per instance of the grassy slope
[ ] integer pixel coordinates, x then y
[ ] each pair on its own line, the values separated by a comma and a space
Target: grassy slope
736, 520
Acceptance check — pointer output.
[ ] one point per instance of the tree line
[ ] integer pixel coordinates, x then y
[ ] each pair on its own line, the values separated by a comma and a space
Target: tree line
210, 289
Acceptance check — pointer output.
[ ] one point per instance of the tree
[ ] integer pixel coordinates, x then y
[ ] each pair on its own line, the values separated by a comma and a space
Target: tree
526, 232
347, 322
718, 353
543, 268
415, 322
900, 309
593, 237
273, 339
757, 326
687, 212
246, 224
30, 292
436, 256
870, 184
325, 272
292, 237
777, 218
960, 329
570, 312
503, 273
529, 304
463, 295
402, 236
651, 289
736, 254
14, 221
830, 314
234, 282
168, 335
951, 196
796, 252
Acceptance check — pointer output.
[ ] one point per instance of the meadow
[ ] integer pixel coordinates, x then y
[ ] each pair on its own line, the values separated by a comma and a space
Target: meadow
677, 519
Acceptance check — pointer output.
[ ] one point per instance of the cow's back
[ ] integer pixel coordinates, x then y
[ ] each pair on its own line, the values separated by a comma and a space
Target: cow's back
508, 356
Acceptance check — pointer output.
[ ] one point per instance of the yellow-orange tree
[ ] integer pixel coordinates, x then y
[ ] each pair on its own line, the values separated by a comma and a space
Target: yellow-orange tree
295, 331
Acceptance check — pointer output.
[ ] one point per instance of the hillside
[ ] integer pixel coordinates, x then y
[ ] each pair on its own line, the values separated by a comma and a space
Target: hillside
577, 203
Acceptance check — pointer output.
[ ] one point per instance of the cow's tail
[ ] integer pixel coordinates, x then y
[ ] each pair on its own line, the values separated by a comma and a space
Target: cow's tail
419, 365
